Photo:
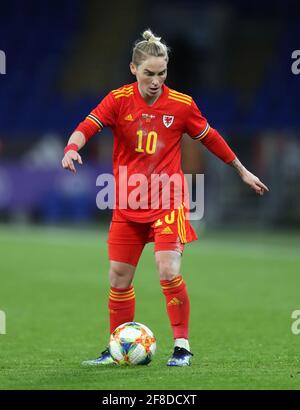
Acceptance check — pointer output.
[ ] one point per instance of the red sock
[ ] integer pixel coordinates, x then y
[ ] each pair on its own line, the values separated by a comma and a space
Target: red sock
178, 306
121, 306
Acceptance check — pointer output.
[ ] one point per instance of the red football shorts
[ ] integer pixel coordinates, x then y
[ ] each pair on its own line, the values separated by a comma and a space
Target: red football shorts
126, 239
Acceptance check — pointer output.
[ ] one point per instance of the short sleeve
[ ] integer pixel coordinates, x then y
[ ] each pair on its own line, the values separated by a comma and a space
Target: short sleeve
196, 125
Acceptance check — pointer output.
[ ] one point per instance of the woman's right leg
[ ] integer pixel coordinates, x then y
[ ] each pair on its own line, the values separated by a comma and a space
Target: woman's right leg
121, 302
126, 241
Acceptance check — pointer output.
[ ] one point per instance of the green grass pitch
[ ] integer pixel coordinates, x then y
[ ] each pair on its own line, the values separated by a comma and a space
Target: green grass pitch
243, 289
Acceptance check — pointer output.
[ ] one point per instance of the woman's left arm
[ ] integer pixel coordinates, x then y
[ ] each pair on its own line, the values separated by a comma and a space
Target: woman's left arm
249, 179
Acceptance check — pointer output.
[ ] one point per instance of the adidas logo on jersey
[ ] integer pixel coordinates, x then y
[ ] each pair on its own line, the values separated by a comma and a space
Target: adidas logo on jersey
167, 231
129, 117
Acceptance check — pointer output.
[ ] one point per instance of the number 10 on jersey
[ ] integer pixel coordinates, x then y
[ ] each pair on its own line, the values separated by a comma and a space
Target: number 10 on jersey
146, 143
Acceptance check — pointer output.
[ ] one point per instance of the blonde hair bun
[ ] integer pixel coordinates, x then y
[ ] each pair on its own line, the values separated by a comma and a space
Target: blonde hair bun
150, 37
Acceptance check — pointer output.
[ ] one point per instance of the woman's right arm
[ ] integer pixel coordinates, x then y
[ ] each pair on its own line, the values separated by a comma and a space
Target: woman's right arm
102, 115
75, 143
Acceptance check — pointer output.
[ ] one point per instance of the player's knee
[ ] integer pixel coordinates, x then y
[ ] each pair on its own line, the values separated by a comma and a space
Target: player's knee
167, 271
120, 274
167, 265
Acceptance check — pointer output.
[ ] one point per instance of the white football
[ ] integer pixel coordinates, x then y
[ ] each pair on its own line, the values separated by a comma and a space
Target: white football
132, 343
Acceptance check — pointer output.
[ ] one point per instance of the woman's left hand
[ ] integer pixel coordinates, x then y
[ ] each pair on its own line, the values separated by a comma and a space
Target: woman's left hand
254, 182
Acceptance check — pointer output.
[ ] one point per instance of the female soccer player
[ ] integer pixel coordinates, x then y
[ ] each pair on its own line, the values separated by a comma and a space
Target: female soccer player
148, 120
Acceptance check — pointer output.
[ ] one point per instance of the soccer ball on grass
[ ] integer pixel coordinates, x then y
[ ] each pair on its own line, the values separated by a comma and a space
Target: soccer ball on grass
132, 343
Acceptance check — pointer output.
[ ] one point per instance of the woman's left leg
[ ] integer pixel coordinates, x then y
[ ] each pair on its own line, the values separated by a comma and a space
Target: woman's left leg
177, 303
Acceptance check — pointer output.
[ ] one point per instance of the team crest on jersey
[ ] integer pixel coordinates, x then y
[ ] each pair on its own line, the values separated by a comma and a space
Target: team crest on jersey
168, 120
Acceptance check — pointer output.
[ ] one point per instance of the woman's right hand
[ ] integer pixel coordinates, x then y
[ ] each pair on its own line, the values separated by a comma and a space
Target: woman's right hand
67, 161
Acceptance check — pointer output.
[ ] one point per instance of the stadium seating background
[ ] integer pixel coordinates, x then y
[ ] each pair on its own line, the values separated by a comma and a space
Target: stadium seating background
233, 58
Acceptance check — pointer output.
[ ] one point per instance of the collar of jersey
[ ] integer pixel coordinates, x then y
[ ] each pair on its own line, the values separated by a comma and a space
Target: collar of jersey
141, 99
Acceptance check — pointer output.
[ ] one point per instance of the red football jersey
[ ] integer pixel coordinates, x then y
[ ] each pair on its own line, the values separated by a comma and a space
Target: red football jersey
147, 142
